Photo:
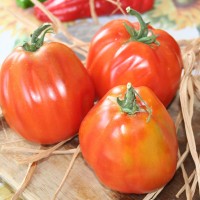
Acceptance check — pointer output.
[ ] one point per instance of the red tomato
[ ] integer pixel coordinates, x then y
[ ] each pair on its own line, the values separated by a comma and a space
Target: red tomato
122, 52
134, 149
45, 94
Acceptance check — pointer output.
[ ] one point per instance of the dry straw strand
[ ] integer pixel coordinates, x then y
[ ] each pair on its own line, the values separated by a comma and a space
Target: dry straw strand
92, 11
25, 182
118, 6
194, 184
43, 154
186, 102
184, 186
193, 177
24, 150
186, 179
67, 171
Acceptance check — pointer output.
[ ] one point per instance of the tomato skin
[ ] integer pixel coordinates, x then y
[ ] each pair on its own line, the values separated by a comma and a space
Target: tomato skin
45, 94
127, 153
112, 61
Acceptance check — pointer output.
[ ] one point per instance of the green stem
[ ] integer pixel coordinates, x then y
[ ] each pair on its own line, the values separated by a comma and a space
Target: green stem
143, 35
129, 104
36, 41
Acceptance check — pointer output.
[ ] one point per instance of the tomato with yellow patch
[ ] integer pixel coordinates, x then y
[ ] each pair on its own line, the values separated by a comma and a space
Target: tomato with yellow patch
130, 144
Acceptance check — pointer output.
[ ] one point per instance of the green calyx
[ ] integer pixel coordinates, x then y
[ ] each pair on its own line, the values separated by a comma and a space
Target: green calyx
37, 38
143, 35
129, 104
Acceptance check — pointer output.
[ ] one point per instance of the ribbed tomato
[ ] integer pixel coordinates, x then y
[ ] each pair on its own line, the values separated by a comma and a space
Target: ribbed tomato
129, 140
45, 91
122, 52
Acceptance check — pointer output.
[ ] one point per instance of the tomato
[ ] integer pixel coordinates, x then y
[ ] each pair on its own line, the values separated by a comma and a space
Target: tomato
45, 93
122, 52
130, 144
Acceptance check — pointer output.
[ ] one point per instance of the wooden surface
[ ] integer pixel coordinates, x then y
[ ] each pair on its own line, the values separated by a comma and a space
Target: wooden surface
81, 183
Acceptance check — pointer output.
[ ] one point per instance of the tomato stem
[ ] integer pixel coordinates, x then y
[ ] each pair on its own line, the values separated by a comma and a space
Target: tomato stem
143, 35
36, 41
130, 105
